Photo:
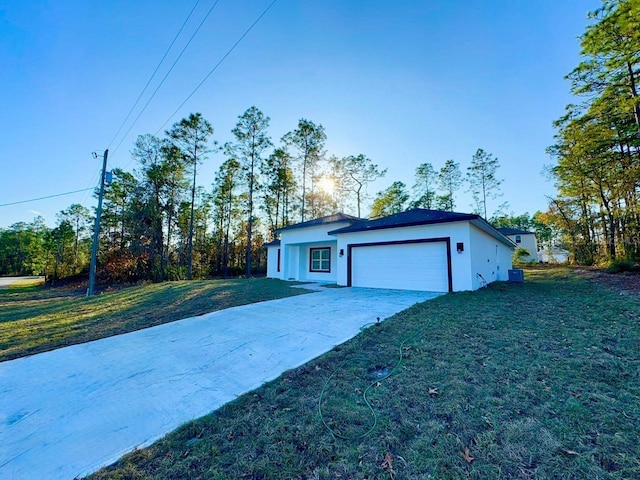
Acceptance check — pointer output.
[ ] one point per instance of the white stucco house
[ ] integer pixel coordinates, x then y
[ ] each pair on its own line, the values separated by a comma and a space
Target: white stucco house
523, 239
552, 254
414, 250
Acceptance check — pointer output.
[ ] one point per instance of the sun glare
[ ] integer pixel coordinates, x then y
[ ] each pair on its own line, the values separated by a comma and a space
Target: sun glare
327, 185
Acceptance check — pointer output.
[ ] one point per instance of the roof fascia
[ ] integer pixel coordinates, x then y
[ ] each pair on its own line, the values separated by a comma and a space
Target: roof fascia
487, 228
408, 224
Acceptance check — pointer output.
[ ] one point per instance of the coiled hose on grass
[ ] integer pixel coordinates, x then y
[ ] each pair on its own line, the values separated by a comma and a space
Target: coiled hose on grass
372, 411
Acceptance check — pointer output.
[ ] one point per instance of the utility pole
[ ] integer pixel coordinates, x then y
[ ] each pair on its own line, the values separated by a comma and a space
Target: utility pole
96, 228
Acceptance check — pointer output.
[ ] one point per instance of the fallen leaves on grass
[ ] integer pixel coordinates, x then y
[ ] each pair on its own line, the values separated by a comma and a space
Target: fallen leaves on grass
465, 454
387, 464
566, 451
433, 392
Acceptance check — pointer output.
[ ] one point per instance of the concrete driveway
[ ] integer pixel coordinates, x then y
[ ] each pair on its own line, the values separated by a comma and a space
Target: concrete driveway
6, 281
68, 412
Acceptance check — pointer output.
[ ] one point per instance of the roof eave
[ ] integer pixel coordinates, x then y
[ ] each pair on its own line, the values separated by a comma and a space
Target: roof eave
515, 231
486, 227
355, 229
345, 219
296, 227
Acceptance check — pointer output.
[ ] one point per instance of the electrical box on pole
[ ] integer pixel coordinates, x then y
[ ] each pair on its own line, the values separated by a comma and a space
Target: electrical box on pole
96, 228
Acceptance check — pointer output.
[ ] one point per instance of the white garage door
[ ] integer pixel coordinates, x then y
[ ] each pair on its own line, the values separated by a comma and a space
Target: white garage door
409, 266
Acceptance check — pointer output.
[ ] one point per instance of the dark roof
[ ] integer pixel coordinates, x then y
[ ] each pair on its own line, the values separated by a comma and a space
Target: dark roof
513, 231
336, 217
417, 216
273, 243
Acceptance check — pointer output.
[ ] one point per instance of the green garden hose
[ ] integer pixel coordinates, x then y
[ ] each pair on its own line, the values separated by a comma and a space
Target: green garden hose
336, 434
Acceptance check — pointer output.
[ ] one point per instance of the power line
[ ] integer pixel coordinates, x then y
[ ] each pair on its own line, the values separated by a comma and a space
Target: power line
218, 64
44, 198
94, 180
135, 104
165, 76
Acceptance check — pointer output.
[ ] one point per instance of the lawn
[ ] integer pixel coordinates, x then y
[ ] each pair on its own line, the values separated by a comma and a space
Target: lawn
37, 319
534, 380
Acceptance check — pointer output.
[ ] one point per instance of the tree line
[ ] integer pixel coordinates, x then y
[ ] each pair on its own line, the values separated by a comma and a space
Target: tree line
597, 150
159, 224
437, 189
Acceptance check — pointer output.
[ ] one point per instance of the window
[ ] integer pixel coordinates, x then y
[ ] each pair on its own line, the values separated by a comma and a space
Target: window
278, 259
320, 259
518, 239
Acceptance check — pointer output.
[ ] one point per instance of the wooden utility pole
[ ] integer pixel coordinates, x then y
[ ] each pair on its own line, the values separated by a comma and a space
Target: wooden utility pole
96, 228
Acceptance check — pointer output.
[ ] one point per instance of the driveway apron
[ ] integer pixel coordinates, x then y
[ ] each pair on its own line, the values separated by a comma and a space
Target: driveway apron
6, 281
68, 412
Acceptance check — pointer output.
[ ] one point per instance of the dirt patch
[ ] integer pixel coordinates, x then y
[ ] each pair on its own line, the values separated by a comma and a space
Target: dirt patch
627, 283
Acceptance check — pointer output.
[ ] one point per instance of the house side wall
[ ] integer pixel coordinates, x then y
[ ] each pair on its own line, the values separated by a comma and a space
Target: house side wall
529, 243
272, 262
456, 231
489, 257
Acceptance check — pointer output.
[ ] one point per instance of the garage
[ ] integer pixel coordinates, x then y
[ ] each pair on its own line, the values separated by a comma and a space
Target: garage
419, 249
410, 265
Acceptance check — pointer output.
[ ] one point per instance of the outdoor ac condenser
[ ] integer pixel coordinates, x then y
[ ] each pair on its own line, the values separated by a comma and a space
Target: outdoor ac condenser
516, 275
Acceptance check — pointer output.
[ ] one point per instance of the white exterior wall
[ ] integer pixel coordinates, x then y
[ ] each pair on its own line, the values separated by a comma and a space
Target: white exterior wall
457, 231
553, 255
483, 254
529, 243
295, 245
305, 275
272, 262
489, 258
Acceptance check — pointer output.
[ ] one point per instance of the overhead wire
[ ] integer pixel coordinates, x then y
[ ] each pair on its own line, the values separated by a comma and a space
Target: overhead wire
96, 174
44, 198
94, 181
135, 104
165, 77
215, 67
224, 57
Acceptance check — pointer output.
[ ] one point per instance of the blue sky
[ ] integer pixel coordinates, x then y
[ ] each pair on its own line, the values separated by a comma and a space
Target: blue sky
402, 82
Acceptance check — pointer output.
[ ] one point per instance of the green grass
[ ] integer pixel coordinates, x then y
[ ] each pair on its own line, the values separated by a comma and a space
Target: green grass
537, 380
37, 319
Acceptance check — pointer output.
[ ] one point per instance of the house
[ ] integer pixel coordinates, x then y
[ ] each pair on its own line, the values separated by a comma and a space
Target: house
522, 239
414, 250
552, 254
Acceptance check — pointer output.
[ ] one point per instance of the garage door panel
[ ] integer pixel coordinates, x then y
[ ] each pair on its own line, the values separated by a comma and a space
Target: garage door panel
415, 266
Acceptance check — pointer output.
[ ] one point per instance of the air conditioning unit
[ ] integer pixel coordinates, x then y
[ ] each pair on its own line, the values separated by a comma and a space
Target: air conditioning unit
516, 275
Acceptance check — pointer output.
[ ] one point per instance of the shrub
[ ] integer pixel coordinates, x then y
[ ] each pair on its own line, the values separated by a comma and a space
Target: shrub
619, 266
520, 255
